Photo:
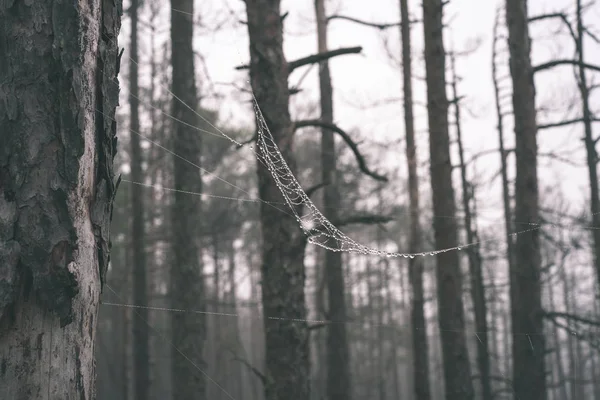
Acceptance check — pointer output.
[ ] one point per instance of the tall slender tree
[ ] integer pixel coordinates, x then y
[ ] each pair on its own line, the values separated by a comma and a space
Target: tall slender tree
473, 252
59, 93
457, 370
187, 286
339, 384
528, 345
420, 348
590, 142
141, 350
283, 271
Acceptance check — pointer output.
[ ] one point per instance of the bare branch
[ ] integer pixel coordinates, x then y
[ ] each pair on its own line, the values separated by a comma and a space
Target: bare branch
316, 58
380, 26
560, 16
353, 146
364, 219
311, 190
572, 317
317, 326
251, 367
564, 123
554, 63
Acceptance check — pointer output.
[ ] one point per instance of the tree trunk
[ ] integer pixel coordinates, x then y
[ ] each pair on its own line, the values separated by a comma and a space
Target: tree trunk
561, 384
590, 145
529, 378
283, 271
187, 286
57, 129
508, 223
420, 352
339, 384
141, 355
457, 370
474, 256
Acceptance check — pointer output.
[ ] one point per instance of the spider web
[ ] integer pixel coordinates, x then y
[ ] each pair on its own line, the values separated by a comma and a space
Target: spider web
319, 230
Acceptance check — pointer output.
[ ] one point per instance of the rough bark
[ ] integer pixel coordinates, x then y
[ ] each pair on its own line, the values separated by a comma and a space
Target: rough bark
528, 349
474, 257
141, 350
420, 352
283, 271
339, 384
58, 94
457, 370
187, 286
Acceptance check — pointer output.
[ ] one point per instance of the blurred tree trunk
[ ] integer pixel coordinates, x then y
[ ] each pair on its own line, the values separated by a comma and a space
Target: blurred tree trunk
474, 255
339, 384
187, 286
57, 133
420, 352
141, 339
590, 144
561, 384
393, 339
283, 271
529, 377
457, 370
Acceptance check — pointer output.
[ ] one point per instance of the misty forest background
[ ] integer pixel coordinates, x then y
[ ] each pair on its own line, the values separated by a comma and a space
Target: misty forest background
373, 329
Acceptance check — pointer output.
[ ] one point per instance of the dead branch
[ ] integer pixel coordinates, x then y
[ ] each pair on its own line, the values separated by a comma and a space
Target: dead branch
314, 58
380, 26
353, 146
558, 15
564, 123
554, 63
251, 367
311, 190
572, 317
314, 327
365, 219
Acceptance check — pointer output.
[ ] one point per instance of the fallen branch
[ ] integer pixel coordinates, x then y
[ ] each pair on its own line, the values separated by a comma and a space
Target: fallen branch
353, 146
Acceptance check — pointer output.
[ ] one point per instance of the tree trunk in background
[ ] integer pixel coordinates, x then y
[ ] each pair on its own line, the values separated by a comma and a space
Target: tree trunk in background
420, 351
529, 378
57, 129
508, 222
474, 255
141, 337
283, 271
590, 145
457, 370
339, 384
560, 385
187, 286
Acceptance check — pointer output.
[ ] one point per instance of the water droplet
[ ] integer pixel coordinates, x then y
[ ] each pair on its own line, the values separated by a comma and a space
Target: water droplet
411, 256
458, 248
